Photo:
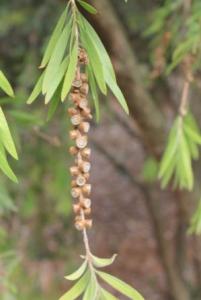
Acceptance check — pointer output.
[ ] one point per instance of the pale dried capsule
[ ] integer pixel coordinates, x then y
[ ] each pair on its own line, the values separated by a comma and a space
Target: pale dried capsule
85, 203
85, 166
74, 171
86, 113
75, 192
84, 77
80, 225
81, 142
76, 119
88, 223
73, 183
76, 208
77, 83
87, 211
83, 104
73, 150
84, 89
86, 153
74, 134
84, 127
86, 189
72, 111
81, 180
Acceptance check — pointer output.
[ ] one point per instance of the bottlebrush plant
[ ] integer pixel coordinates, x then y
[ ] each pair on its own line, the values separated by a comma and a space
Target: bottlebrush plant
76, 62
176, 41
6, 141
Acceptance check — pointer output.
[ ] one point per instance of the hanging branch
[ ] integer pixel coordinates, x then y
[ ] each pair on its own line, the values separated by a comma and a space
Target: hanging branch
76, 62
6, 141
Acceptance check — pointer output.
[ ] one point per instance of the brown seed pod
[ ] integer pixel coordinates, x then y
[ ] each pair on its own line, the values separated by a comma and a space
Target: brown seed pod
84, 127
80, 181
76, 119
77, 83
73, 150
83, 103
86, 189
85, 203
75, 192
84, 89
86, 153
74, 134
85, 166
87, 211
80, 225
88, 223
86, 113
84, 77
76, 208
81, 142
73, 183
74, 171
72, 111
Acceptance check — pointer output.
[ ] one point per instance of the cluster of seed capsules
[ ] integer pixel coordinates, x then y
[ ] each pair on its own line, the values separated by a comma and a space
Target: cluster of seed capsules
80, 116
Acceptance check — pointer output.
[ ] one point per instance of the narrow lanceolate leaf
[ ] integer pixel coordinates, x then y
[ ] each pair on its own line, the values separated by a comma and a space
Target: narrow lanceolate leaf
54, 38
108, 71
77, 289
88, 7
4, 166
107, 296
170, 150
56, 58
92, 290
70, 74
57, 80
105, 59
196, 137
5, 85
5, 136
121, 286
185, 163
36, 91
94, 93
103, 262
94, 60
54, 104
77, 274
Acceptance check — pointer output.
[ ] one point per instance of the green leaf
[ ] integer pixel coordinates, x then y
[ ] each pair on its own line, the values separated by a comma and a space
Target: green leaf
105, 59
107, 295
88, 7
77, 289
37, 90
54, 104
5, 85
6, 137
117, 92
185, 163
94, 60
4, 166
77, 274
57, 80
121, 286
70, 74
94, 92
192, 134
54, 38
170, 150
56, 58
103, 262
92, 290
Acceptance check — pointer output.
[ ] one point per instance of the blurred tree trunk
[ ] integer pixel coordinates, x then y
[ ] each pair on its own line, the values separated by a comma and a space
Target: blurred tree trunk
148, 118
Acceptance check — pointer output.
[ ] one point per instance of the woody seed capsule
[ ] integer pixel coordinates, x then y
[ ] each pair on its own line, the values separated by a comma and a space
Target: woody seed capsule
87, 189
73, 150
74, 171
75, 192
77, 83
74, 134
85, 166
87, 211
76, 119
86, 203
86, 153
72, 111
80, 180
81, 142
84, 127
76, 208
